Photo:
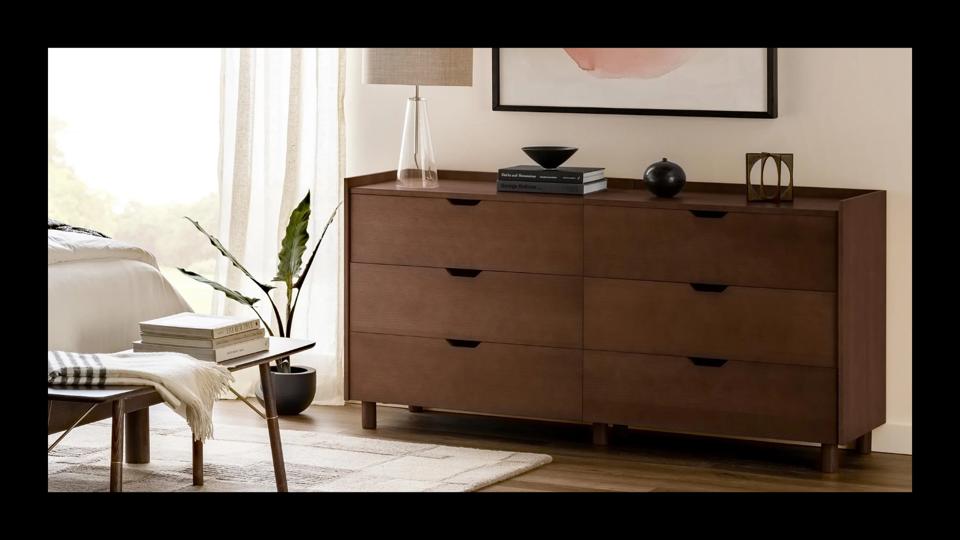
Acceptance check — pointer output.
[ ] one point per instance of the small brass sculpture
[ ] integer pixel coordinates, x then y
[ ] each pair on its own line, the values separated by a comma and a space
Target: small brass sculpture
760, 193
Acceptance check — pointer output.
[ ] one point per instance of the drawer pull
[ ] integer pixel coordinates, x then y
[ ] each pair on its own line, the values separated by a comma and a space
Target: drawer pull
708, 213
465, 343
708, 287
707, 362
464, 202
463, 272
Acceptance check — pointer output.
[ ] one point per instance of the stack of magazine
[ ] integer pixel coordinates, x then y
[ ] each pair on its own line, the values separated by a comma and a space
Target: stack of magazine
565, 180
205, 337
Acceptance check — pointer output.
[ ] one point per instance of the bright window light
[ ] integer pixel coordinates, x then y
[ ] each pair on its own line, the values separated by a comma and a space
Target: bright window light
133, 146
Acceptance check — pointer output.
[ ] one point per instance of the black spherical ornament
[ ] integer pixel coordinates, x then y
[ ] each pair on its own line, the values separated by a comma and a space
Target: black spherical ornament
664, 178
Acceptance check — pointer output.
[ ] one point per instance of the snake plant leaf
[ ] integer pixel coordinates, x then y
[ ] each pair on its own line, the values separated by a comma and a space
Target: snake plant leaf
306, 269
294, 243
231, 294
223, 251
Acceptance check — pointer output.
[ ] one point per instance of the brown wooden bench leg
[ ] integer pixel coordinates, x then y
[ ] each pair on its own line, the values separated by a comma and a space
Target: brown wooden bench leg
273, 427
116, 447
138, 436
197, 463
368, 414
829, 458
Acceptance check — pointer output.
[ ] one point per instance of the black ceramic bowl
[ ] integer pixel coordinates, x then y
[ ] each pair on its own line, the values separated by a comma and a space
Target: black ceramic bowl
549, 157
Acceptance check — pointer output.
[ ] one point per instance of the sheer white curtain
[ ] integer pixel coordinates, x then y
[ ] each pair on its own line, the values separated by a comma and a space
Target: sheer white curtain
281, 124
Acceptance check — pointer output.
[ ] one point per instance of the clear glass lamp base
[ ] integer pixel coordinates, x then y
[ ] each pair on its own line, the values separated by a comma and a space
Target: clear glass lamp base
417, 167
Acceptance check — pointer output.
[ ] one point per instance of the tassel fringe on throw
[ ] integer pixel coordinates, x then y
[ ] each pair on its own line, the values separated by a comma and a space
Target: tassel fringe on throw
189, 386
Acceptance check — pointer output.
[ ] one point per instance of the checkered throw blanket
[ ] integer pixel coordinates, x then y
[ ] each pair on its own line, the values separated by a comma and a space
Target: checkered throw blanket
189, 386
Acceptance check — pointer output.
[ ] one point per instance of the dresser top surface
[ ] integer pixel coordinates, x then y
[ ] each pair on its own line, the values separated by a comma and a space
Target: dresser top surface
700, 195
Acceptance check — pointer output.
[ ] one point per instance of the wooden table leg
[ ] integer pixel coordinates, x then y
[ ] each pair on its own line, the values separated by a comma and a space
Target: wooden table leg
197, 462
273, 426
116, 447
138, 436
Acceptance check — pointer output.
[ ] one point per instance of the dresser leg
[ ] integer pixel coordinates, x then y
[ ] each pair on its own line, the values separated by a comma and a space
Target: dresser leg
601, 434
864, 443
829, 458
368, 414
415, 408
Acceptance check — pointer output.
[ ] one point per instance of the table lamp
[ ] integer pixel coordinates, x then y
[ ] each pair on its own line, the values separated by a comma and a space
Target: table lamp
418, 67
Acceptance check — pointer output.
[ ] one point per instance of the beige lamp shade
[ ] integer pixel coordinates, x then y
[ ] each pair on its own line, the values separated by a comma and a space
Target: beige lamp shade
424, 67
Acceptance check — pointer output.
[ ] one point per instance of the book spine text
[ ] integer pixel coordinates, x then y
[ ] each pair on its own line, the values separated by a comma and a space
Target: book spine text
568, 189
235, 328
547, 176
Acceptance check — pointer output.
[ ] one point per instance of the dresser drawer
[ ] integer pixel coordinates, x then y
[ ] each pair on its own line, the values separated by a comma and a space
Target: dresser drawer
480, 234
735, 398
503, 307
760, 250
741, 323
540, 382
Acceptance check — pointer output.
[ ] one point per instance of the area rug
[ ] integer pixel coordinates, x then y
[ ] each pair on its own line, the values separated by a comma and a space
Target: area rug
238, 459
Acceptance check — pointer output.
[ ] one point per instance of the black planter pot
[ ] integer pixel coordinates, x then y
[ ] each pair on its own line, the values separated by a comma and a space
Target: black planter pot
292, 391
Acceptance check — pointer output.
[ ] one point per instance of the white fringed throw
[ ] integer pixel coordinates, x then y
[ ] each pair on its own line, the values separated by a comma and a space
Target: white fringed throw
189, 386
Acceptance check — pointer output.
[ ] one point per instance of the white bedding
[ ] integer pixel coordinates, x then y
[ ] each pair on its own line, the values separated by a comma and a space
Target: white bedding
99, 289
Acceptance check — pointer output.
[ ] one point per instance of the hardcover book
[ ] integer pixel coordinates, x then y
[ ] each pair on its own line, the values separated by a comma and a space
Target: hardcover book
572, 175
198, 325
227, 352
203, 343
551, 187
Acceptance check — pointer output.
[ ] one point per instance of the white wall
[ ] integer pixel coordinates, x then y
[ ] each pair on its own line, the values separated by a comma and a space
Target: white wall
845, 113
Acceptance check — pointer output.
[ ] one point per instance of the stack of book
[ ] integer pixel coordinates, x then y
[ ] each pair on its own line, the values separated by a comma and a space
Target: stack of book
565, 180
204, 337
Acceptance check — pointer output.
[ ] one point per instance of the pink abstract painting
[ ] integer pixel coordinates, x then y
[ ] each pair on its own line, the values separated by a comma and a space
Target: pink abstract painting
704, 81
613, 63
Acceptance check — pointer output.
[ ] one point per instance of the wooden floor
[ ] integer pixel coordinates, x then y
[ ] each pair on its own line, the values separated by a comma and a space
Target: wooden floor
635, 461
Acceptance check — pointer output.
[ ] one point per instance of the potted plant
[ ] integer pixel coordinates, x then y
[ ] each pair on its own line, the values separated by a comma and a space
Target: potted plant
294, 386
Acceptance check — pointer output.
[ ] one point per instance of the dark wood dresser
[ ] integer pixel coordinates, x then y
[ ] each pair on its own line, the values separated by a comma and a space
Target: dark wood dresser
701, 314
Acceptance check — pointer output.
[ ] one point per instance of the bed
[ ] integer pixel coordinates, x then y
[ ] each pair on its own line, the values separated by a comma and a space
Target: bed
98, 290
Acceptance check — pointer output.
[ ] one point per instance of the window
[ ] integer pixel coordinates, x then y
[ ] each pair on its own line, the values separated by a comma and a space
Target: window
133, 146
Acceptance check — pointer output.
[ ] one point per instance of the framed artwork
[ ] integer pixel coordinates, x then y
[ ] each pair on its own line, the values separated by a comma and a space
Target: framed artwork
735, 82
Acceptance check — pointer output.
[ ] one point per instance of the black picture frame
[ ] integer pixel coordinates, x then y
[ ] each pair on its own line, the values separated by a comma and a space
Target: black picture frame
771, 111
